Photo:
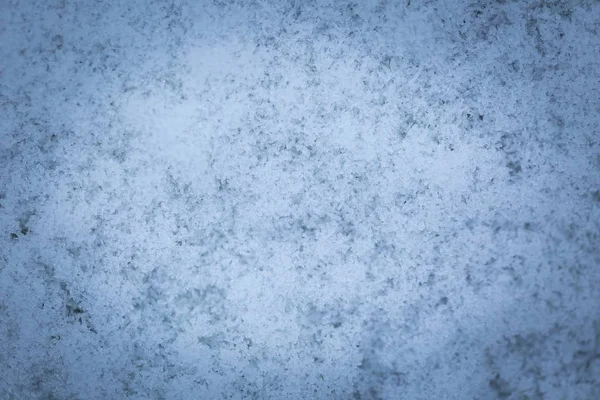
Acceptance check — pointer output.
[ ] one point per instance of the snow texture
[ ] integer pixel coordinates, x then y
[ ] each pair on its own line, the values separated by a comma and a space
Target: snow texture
300, 199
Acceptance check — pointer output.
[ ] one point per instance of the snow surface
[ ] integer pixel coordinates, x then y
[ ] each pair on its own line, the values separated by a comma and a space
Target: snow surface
300, 199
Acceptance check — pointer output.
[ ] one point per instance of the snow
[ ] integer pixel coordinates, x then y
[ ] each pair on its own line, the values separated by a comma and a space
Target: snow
294, 200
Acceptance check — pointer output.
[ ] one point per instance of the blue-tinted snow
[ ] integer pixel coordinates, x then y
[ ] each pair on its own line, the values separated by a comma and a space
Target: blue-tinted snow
299, 199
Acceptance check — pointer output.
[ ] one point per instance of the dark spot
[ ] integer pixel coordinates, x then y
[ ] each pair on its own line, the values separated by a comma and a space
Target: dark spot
58, 41
565, 14
74, 310
14, 236
337, 324
596, 195
387, 61
500, 386
481, 117
24, 220
222, 184
443, 300
527, 225
469, 117
514, 167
